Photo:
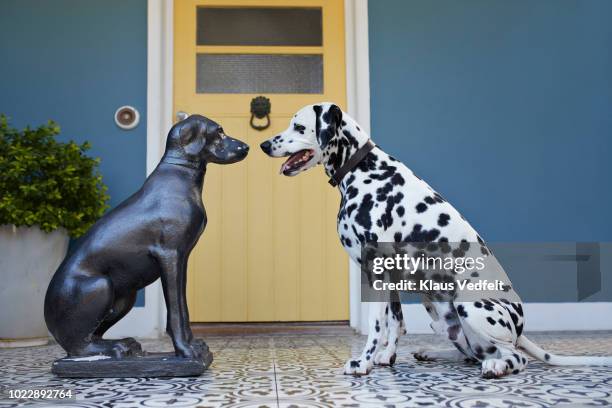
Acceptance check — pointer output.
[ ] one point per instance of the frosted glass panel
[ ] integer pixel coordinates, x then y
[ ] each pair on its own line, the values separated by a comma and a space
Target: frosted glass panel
259, 26
259, 73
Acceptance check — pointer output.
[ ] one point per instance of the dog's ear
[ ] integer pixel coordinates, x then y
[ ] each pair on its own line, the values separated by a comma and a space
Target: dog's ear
331, 119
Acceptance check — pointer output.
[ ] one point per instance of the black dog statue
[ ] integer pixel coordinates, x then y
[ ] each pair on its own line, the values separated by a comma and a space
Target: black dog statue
148, 236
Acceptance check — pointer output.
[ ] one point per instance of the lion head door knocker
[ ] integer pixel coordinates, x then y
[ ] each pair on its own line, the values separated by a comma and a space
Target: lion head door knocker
260, 108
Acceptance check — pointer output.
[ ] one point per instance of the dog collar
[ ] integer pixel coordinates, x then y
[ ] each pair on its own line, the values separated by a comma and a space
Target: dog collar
181, 162
353, 161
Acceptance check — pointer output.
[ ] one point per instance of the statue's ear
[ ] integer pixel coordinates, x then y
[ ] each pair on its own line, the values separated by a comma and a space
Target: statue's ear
328, 123
192, 137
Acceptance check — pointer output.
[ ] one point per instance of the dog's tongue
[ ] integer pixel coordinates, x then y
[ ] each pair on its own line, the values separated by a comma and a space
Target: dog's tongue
292, 161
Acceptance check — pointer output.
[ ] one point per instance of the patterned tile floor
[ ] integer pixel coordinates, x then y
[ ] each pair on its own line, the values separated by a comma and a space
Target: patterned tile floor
305, 370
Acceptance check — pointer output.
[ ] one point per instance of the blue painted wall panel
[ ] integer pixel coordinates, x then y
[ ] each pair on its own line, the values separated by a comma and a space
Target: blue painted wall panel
505, 107
76, 62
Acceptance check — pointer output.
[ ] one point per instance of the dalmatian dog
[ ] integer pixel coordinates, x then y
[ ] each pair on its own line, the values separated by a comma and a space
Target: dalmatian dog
382, 200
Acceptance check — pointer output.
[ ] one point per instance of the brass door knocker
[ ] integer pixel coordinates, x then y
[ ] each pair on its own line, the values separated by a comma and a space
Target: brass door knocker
260, 108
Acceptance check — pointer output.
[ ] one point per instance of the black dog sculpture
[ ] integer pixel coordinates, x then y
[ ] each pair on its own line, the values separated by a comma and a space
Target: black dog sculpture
148, 236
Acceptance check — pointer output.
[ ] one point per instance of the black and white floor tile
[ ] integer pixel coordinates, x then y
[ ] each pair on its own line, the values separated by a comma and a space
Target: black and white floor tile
305, 371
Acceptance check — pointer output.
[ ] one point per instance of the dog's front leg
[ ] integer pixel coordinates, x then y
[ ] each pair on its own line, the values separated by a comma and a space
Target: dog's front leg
173, 274
395, 328
376, 320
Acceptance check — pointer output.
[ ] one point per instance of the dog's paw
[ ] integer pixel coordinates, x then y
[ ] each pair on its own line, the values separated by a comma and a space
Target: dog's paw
385, 358
357, 367
494, 368
423, 355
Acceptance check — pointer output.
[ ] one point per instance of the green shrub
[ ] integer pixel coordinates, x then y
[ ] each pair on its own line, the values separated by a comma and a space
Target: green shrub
47, 183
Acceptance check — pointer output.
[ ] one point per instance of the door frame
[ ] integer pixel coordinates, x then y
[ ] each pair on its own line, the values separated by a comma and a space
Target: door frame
151, 318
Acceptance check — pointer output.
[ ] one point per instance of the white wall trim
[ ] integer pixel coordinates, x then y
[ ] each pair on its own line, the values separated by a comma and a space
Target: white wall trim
358, 106
149, 321
538, 316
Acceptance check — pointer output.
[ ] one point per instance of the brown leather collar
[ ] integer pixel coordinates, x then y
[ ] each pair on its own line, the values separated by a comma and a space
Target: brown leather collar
353, 161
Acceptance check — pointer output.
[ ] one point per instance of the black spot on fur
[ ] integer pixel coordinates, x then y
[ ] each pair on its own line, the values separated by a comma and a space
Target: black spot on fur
397, 180
519, 308
382, 192
350, 209
317, 109
458, 253
418, 234
514, 318
363, 213
443, 220
421, 207
461, 311
491, 321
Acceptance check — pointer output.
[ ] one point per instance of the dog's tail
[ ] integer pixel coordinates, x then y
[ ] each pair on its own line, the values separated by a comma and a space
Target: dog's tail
554, 359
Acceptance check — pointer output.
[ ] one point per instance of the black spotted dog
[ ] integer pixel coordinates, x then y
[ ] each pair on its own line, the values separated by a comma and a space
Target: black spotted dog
384, 201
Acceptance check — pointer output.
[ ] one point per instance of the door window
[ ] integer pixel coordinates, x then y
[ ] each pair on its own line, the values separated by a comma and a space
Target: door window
293, 68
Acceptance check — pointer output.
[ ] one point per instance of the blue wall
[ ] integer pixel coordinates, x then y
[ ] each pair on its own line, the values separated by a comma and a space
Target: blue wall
505, 107
76, 62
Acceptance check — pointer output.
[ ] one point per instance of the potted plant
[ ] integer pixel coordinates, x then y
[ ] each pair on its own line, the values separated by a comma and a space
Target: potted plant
49, 191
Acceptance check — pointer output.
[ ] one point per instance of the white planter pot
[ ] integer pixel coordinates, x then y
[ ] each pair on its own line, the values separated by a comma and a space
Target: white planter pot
28, 259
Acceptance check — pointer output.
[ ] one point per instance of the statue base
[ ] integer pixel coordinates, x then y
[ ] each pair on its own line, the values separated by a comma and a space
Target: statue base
145, 365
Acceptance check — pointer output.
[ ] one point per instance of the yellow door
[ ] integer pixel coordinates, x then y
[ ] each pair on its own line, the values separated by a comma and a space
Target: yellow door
270, 251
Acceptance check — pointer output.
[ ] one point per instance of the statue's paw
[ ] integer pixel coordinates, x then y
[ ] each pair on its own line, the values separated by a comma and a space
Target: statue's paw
199, 344
132, 344
193, 350
127, 347
121, 348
